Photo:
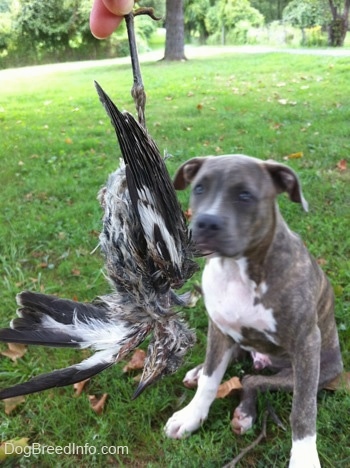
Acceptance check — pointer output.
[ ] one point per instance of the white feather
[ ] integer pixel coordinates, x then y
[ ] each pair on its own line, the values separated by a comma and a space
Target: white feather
94, 333
149, 217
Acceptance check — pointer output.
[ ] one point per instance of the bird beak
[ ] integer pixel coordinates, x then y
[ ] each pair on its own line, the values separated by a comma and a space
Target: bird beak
146, 381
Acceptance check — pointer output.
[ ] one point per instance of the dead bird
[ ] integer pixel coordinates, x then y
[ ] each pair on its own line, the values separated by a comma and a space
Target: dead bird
148, 253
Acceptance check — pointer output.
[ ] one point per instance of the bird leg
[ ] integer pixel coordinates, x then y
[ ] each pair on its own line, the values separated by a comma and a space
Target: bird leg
137, 90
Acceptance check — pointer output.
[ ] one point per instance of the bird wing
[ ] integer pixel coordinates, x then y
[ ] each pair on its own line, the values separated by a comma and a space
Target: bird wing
49, 321
153, 196
62, 377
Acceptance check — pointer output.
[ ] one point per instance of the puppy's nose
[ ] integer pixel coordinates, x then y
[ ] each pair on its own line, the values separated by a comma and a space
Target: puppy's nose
210, 224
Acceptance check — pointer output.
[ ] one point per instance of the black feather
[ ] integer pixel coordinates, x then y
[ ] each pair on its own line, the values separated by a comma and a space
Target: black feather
57, 378
26, 335
62, 310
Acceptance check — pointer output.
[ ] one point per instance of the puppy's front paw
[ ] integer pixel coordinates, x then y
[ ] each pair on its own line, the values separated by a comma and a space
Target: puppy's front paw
304, 454
184, 422
241, 421
192, 377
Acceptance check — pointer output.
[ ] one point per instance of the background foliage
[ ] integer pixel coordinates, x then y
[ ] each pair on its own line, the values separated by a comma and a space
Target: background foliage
32, 31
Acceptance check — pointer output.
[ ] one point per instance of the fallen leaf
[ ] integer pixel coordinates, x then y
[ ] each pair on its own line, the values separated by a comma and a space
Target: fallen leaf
12, 403
136, 362
321, 261
342, 382
194, 296
9, 447
79, 387
14, 351
199, 106
97, 404
188, 214
94, 233
297, 155
338, 290
68, 141
75, 272
228, 387
277, 126
342, 165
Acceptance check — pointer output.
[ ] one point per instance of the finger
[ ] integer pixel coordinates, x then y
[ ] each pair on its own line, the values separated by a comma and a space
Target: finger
119, 7
102, 21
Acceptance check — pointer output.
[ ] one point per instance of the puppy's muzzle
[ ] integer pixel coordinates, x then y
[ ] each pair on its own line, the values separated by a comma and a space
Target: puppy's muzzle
207, 230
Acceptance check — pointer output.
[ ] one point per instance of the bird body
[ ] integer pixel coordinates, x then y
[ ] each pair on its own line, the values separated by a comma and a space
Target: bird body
148, 253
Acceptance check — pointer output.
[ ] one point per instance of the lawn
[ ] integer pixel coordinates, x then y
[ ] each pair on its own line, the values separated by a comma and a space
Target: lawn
56, 150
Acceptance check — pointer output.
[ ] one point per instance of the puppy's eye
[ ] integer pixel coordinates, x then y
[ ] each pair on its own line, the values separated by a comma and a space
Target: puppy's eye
245, 196
198, 189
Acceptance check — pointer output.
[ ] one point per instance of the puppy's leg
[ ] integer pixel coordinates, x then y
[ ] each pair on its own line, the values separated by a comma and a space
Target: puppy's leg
245, 414
220, 349
303, 380
192, 376
306, 364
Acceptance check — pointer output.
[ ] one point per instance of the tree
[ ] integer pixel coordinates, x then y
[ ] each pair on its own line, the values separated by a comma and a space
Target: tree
175, 31
305, 14
226, 15
333, 14
339, 24
46, 24
195, 18
271, 10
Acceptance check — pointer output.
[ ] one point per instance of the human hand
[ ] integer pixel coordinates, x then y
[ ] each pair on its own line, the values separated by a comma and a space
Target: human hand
106, 16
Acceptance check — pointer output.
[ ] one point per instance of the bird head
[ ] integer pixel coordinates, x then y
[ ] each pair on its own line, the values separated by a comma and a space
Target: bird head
170, 342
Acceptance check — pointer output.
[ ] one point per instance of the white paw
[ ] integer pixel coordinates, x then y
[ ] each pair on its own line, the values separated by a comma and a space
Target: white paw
260, 361
184, 422
241, 421
304, 454
192, 377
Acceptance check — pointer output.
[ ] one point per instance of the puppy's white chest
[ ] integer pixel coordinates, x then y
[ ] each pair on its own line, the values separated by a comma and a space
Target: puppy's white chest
231, 298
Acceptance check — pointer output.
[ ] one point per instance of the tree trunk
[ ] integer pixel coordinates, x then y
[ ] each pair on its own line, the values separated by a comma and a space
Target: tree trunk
175, 31
338, 27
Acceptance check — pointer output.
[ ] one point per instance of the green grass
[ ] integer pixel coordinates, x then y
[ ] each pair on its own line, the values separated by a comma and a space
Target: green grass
57, 148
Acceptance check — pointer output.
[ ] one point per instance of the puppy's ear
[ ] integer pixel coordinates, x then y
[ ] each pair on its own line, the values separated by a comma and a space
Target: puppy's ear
187, 172
286, 180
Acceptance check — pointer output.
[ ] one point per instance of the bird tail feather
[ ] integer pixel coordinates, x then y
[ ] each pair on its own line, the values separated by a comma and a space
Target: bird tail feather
62, 377
48, 321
